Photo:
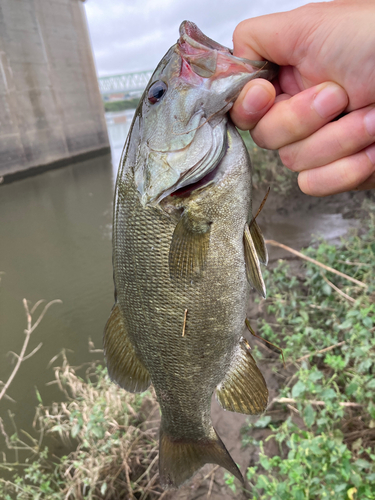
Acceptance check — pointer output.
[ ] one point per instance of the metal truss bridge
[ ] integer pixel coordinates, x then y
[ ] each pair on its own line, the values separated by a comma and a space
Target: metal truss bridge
129, 84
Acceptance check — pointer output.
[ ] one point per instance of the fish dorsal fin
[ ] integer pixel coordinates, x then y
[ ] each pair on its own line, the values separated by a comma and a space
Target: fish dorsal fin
189, 247
124, 367
243, 389
181, 458
253, 271
259, 243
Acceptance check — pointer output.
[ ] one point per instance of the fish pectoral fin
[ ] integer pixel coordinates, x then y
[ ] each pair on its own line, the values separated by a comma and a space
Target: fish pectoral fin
259, 243
243, 389
189, 247
124, 367
179, 459
253, 271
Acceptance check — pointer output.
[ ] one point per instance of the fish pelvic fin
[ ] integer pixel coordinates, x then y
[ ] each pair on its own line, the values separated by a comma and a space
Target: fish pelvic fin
243, 389
124, 367
189, 247
252, 264
180, 459
259, 243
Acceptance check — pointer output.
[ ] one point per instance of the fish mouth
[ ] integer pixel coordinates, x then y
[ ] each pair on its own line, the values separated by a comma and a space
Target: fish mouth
193, 36
199, 185
210, 59
206, 78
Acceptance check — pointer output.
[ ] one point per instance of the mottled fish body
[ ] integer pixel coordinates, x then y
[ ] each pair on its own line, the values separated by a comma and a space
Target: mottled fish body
185, 252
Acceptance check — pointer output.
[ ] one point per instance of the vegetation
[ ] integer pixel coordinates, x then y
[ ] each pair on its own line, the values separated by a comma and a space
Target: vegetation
326, 436
316, 441
121, 105
268, 171
114, 441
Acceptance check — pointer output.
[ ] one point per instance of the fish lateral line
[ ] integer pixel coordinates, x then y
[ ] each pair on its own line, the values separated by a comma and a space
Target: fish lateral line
264, 340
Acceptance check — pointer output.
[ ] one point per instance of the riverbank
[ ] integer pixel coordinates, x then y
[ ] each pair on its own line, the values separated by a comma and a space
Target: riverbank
304, 314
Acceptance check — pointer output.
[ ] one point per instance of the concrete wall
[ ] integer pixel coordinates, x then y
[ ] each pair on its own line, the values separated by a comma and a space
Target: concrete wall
50, 106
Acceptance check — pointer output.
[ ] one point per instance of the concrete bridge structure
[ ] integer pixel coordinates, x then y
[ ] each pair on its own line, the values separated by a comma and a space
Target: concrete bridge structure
51, 111
125, 86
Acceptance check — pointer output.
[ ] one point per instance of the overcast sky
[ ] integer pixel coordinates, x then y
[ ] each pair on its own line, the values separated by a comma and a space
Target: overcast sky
133, 35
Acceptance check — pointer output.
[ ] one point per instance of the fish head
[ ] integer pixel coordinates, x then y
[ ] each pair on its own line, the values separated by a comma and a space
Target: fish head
183, 112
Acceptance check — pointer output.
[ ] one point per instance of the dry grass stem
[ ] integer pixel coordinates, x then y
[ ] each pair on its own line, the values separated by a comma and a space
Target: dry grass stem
334, 287
211, 475
320, 351
115, 450
22, 356
291, 408
316, 262
314, 402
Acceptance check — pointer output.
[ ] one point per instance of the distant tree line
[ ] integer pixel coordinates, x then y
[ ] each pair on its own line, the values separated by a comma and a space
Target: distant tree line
121, 105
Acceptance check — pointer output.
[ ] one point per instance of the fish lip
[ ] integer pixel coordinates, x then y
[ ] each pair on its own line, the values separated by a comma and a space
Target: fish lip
190, 33
191, 37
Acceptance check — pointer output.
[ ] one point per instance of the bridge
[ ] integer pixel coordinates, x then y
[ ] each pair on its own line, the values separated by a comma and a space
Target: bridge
127, 85
51, 111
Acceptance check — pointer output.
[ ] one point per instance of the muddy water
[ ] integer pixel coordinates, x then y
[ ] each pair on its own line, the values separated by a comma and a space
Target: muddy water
55, 243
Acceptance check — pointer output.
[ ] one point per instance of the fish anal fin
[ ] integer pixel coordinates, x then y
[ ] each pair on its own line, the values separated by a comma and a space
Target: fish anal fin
189, 247
180, 459
253, 271
124, 367
259, 243
243, 389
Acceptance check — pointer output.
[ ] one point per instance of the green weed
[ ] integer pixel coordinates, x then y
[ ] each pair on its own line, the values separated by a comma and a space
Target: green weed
121, 105
327, 443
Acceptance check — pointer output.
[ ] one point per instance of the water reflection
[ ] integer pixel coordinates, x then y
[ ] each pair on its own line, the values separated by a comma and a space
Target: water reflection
118, 125
55, 243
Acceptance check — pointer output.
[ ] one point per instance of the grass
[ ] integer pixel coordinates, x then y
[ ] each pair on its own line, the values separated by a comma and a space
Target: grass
111, 433
323, 420
318, 436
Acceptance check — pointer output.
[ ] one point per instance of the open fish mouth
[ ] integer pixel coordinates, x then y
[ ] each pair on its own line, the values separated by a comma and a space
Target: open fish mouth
188, 100
199, 185
208, 58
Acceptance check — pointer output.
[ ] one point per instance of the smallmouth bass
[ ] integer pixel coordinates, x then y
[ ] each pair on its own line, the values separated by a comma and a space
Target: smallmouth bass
186, 252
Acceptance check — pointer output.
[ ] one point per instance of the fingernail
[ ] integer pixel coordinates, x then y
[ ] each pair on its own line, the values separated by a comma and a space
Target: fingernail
370, 122
256, 99
370, 151
330, 100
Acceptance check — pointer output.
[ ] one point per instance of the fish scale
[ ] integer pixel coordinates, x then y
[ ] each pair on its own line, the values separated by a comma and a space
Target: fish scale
158, 304
181, 255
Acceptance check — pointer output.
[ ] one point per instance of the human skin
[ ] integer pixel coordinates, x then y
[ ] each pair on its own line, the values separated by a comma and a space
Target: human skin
326, 53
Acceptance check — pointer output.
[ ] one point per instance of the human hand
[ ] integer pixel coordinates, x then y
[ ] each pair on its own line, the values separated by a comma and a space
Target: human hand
327, 56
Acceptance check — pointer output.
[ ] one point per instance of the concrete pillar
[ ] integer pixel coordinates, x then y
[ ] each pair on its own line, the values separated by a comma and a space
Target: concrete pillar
51, 111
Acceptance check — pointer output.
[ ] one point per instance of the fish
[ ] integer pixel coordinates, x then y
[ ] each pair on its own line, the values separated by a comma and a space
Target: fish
186, 253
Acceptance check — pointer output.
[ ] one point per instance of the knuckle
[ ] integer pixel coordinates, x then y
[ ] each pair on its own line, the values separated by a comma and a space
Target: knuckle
294, 127
288, 157
259, 139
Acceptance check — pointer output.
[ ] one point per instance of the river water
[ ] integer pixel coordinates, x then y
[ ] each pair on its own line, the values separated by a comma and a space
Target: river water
55, 243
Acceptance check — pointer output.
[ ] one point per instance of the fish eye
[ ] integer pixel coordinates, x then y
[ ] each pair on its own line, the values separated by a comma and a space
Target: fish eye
156, 91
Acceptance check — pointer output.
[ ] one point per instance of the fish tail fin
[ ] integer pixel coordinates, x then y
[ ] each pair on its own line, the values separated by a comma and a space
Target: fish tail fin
179, 459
